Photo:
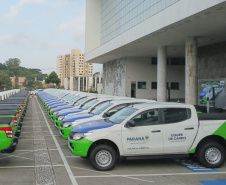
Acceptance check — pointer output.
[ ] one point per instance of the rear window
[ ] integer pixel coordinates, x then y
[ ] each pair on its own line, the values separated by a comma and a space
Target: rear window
174, 115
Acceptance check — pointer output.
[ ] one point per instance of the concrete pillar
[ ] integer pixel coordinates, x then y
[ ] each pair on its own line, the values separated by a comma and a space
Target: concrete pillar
79, 84
72, 83
87, 83
161, 74
83, 84
95, 83
191, 71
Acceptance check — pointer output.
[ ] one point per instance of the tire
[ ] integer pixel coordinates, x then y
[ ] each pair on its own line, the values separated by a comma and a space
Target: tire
83, 157
211, 155
11, 150
193, 157
107, 154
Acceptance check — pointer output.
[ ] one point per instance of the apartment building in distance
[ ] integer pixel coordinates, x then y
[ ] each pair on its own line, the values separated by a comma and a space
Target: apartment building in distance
17, 82
71, 67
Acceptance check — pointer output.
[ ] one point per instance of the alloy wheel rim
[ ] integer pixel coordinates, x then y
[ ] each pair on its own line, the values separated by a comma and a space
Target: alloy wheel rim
103, 158
213, 155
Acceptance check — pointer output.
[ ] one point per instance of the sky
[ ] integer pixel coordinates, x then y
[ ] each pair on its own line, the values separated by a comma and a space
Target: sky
36, 31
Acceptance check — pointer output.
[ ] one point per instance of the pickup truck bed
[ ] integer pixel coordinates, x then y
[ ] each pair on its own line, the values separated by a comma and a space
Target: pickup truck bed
212, 116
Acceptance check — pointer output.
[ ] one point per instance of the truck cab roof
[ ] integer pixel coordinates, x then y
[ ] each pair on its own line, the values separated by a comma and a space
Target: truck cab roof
161, 105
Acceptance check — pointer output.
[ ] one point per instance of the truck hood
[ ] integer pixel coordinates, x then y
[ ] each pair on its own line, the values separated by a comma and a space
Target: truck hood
66, 112
202, 94
62, 108
91, 125
56, 102
58, 105
76, 117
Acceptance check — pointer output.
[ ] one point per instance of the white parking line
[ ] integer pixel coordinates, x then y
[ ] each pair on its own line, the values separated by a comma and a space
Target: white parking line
149, 175
70, 174
111, 174
8, 156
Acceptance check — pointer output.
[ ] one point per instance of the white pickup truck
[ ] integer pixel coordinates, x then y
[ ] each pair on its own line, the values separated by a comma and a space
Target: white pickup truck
151, 129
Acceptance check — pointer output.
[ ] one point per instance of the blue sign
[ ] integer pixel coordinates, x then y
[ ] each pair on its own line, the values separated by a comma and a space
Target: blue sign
194, 166
218, 182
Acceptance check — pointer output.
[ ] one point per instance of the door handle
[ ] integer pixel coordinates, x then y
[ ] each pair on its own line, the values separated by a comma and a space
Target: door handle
154, 131
190, 128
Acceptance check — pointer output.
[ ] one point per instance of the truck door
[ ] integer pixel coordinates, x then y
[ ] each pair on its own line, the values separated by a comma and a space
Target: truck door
179, 130
145, 137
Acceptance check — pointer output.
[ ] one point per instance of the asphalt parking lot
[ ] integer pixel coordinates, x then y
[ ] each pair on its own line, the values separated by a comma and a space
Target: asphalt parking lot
42, 157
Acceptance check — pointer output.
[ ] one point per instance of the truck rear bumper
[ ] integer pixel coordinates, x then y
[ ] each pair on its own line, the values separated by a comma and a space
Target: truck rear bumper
11, 148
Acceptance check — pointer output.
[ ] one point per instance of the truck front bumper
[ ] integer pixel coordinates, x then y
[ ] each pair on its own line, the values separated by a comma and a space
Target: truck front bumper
79, 147
64, 132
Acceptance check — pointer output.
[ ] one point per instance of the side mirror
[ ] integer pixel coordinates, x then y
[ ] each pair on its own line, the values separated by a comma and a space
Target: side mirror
130, 123
107, 114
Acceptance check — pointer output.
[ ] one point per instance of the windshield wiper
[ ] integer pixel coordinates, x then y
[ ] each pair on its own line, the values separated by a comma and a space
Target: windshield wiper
107, 119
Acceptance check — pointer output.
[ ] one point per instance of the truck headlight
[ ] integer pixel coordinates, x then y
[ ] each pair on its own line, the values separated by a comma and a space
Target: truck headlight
67, 124
75, 122
55, 112
61, 117
78, 136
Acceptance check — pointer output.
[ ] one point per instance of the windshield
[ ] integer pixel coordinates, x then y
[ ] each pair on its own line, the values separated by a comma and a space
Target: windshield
80, 101
101, 108
121, 115
72, 101
205, 90
89, 104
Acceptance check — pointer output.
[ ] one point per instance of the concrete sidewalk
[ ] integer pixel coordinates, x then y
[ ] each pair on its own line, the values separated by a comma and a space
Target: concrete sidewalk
37, 159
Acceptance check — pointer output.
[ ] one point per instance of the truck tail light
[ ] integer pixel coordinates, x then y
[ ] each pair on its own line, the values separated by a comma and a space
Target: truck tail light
8, 131
18, 113
15, 121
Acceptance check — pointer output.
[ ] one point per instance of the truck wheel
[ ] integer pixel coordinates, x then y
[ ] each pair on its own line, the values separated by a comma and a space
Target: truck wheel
83, 157
211, 155
11, 150
103, 157
193, 157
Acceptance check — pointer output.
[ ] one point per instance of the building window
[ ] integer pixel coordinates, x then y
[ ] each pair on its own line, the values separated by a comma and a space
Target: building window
153, 85
141, 85
177, 61
175, 85
154, 61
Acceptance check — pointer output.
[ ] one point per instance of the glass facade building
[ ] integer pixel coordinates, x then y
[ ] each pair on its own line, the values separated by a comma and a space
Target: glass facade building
119, 16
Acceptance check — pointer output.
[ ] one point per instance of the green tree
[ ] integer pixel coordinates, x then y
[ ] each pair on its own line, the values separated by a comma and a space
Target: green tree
5, 82
53, 78
29, 83
3, 66
13, 62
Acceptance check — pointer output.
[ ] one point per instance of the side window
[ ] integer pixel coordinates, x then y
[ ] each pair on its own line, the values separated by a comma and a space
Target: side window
116, 109
98, 105
174, 115
147, 118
